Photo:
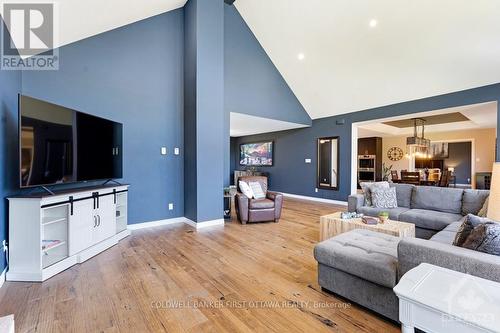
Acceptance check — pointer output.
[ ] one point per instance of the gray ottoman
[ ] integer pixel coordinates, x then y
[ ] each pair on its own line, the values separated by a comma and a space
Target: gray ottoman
361, 265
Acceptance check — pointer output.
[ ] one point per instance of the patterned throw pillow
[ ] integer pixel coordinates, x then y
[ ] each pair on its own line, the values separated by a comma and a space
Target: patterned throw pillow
246, 190
258, 193
484, 238
369, 187
384, 197
469, 223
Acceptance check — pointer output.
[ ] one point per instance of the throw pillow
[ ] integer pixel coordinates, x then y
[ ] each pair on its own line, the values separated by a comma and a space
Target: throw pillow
470, 222
484, 238
384, 197
483, 212
473, 200
246, 190
368, 187
258, 193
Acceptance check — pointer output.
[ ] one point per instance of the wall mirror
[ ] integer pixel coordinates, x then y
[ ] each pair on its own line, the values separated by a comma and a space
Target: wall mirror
328, 163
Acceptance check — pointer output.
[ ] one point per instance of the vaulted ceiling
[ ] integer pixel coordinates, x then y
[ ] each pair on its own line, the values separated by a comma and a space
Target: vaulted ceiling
340, 56
362, 54
82, 19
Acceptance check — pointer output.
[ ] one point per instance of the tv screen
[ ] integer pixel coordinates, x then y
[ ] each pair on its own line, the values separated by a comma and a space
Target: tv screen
60, 145
257, 154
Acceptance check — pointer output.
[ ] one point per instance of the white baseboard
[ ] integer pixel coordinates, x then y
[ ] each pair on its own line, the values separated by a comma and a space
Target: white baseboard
2, 277
185, 220
201, 225
304, 197
151, 224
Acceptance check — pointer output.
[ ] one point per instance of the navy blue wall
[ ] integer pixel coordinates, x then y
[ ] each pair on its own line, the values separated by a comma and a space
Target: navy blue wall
291, 175
252, 83
205, 118
10, 86
190, 161
132, 75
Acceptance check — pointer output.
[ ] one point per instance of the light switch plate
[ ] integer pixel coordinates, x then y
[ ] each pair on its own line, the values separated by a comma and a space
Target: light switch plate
164, 150
308, 160
170, 206
176, 151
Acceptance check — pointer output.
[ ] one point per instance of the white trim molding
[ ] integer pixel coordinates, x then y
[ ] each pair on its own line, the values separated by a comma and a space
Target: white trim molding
304, 197
204, 224
158, 223
2, 277
184, 220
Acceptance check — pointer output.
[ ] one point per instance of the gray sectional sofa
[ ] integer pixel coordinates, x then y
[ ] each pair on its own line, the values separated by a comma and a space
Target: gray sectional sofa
364, 266
430, 208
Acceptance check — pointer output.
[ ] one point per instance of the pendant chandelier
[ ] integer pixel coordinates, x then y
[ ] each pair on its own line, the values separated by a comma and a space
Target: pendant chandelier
417, 145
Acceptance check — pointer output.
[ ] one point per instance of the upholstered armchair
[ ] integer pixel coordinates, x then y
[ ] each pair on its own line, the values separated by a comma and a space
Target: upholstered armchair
258, 210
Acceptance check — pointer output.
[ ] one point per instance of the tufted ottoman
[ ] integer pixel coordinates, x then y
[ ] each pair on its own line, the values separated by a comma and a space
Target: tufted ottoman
361, 265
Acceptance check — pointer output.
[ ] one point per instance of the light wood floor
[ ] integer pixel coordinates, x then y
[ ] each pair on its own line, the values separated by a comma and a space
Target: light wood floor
127, 288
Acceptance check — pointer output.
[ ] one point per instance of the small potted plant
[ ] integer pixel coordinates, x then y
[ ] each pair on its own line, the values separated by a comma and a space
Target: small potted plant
383, 216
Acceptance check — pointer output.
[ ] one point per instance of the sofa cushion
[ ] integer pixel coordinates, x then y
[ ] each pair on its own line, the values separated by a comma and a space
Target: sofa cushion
473, 201
363, 253
403, 194
441, 199
447, 235
261, 204
393, 212
429, 219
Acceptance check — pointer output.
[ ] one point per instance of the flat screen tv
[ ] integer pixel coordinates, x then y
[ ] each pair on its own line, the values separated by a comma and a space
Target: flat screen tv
257, 154
59, 145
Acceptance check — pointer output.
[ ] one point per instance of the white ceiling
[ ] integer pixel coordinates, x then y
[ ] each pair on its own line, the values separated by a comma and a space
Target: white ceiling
482, 115
418, 48
79, 19
243, 124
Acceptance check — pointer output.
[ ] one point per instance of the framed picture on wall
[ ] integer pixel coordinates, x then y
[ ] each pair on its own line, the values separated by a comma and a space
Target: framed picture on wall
439, 150
257, 154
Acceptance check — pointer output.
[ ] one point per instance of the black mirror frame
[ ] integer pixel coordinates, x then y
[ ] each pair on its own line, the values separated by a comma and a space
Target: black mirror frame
318, 183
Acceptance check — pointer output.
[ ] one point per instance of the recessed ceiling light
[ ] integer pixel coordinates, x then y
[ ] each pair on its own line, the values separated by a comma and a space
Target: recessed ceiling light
301, 56
373, 23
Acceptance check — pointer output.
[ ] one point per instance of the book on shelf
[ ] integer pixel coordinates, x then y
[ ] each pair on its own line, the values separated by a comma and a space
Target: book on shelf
48, 243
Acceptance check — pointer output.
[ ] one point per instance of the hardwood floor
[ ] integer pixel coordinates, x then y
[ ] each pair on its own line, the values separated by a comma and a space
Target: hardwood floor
237, 278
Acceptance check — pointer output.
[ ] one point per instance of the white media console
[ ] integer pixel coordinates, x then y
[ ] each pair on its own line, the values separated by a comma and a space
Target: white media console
50, 233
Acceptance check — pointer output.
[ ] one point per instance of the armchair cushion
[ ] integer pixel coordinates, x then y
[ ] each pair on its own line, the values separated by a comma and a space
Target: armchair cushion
261, 204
